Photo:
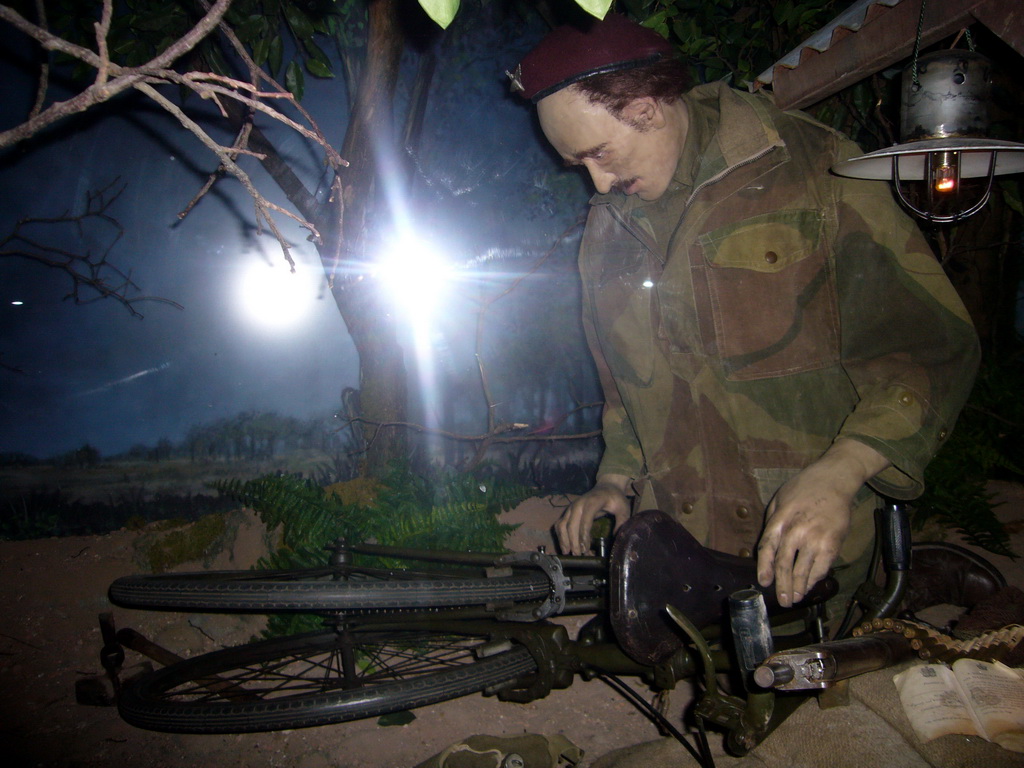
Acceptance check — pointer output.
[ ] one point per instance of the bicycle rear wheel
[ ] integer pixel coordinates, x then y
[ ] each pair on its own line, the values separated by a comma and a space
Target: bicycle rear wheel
316, 678
321, 589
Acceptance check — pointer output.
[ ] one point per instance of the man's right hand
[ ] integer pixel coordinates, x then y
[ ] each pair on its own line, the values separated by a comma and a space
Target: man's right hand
608, 496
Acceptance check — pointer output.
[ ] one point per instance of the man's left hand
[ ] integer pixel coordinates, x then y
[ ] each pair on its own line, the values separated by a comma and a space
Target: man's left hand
809, 517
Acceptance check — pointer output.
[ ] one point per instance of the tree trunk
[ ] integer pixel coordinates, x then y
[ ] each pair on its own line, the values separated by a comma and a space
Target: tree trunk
382, 377
370, 136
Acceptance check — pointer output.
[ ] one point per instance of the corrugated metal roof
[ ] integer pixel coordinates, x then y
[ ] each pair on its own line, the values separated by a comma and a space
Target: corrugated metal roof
849, 20
874, 34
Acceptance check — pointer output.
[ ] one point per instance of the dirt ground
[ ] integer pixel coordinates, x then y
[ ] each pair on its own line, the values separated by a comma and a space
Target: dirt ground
52, 591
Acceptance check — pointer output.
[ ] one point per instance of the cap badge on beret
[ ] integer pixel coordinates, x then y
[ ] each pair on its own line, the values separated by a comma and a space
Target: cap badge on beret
516, 78
569, 54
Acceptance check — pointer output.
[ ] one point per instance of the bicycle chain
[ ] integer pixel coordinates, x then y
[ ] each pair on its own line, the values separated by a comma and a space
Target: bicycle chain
932, 644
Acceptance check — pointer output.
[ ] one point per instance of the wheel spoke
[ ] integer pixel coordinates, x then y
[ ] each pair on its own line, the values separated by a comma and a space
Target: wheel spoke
321, 671
317, 678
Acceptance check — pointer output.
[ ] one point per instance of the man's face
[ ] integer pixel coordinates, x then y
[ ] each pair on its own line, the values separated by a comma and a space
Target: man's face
636, 155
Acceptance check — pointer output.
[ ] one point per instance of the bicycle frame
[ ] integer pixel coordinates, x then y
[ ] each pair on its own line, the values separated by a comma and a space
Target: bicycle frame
622, 638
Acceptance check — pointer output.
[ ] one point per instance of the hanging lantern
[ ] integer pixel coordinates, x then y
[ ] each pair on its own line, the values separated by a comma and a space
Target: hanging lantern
944, 119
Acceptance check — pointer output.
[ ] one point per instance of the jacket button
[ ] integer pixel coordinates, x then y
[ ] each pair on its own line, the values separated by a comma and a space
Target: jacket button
906, 399
742, 513
687, 508
744, 552
771, 257
942, 434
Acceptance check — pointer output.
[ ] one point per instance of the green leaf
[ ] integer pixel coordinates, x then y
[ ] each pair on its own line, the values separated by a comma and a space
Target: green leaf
441, 11
216, 61
783, 13
314, 51
318, 69
294, 80
275, 55
260, 51
596, 8
252, 29
655, 20
300, 23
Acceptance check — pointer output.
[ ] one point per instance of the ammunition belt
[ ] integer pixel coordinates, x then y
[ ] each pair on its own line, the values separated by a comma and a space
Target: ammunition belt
933, 645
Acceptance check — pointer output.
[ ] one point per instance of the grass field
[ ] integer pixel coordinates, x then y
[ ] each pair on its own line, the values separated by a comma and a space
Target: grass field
115, 478
48, 500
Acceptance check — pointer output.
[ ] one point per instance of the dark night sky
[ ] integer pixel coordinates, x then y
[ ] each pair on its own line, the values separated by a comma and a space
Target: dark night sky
94, 373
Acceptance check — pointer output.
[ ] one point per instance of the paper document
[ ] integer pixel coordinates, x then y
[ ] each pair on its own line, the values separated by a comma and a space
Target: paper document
971, 698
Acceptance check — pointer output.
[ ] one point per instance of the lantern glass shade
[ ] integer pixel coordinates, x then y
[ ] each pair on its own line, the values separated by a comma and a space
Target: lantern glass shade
975, 159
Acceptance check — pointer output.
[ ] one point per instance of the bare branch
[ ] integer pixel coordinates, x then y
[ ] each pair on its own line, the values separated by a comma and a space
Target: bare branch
240, 141
44, 68
99, 92
207, 186
45, 38
263, 206
334, 260
60, 110
112, 79
102, 30
207, 90
257, 74
205, 26
87, 271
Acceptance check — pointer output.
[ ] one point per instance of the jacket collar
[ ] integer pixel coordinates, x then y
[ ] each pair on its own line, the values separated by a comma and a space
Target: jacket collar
728, 128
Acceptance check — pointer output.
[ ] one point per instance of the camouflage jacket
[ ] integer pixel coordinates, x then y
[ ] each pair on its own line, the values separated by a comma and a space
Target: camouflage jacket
757, 311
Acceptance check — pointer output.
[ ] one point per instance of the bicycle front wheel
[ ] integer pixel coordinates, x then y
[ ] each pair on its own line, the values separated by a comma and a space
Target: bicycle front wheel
321, 589
316, 678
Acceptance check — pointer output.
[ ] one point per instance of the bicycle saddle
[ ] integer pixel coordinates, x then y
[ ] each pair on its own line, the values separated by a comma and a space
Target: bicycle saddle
656, 562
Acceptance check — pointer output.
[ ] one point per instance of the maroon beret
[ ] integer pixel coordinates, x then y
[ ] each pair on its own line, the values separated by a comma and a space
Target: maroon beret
569, 54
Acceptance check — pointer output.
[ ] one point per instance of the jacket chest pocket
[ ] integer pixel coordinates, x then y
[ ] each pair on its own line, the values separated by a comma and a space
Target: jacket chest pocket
766, 297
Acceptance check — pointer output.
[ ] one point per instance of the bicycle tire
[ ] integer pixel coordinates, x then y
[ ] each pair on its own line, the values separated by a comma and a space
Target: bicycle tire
297, 590
261, 687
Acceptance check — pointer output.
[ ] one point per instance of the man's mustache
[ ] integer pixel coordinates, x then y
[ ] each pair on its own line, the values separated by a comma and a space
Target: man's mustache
624, 184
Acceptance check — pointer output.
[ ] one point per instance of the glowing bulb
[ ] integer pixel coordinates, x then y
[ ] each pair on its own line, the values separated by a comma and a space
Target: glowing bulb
944, 181
945, 172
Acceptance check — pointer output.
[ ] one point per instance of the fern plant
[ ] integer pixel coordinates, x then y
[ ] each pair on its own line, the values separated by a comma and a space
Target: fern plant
449, 511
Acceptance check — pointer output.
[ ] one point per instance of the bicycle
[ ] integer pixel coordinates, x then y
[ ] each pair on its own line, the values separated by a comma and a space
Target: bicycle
396, 639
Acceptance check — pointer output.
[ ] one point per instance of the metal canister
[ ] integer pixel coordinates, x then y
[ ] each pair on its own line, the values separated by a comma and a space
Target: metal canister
950, 97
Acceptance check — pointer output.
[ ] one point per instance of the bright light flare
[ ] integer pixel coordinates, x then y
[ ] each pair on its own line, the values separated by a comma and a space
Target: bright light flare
416, 276
273, 298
